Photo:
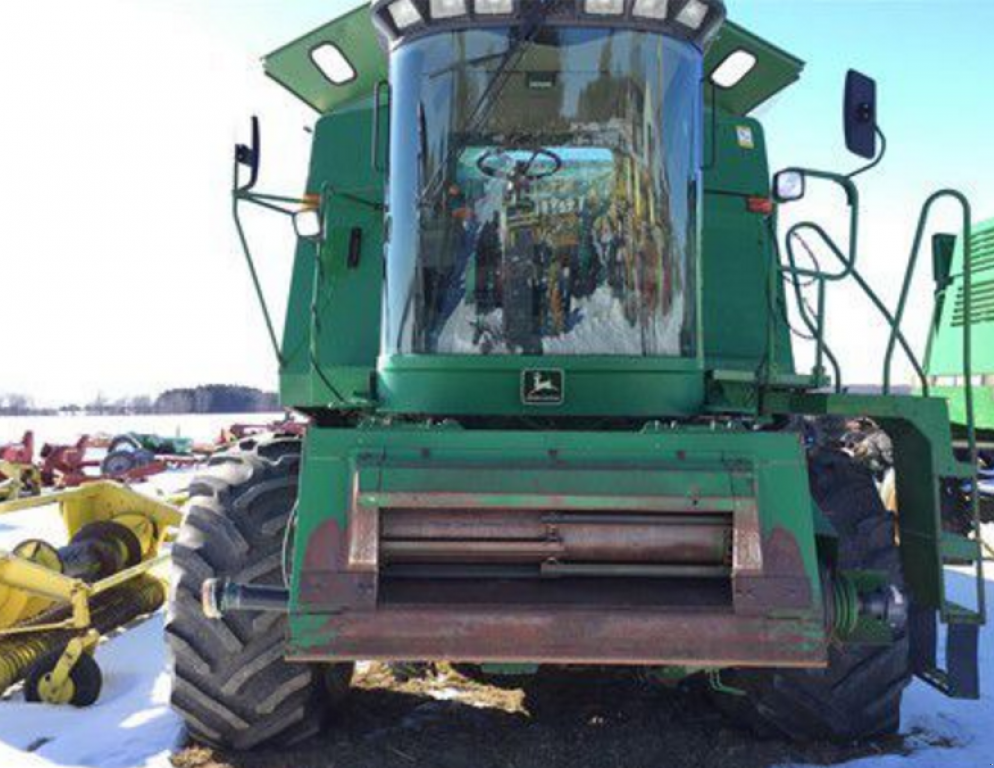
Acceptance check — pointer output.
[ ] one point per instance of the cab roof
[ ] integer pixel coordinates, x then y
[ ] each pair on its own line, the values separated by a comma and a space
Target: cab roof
361, 64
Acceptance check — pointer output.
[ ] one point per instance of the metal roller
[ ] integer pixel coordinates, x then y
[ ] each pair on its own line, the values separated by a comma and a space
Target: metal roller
109, 611
439, 536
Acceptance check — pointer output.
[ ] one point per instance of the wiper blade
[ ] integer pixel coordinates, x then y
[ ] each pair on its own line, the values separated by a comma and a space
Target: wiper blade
484, 105
482, 59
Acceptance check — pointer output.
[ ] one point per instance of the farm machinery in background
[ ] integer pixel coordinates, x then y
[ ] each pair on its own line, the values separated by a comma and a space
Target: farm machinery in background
19, 476
57, 602
129, 458
955, 312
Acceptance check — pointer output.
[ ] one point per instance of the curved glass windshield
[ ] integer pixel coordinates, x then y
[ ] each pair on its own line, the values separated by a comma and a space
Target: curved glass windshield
543, 194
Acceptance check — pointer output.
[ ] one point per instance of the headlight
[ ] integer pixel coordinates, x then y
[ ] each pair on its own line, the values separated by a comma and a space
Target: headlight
696, 21
604, 7
405, 14
693, 14
493, 7
447, 9
651, 9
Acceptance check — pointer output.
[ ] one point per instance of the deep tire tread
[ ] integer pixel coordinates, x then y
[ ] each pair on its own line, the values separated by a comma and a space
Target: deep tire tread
231, 683
858, 696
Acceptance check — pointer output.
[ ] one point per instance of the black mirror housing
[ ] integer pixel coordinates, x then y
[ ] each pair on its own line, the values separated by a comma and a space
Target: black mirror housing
860, 115
250, 155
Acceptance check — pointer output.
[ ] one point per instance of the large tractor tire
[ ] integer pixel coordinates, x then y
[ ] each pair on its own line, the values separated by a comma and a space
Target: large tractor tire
858, 696
231, 683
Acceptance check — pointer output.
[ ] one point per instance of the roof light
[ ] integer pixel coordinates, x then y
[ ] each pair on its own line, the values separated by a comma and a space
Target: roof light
333, 64
604, 7
736, 66
651, 9
493, 7
692, 15
405, 14
447, 9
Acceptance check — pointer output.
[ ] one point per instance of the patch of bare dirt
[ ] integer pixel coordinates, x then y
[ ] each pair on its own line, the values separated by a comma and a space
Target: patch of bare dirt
558, 719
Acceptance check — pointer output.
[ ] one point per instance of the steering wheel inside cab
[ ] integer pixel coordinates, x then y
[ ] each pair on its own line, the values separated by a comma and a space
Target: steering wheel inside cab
516, 165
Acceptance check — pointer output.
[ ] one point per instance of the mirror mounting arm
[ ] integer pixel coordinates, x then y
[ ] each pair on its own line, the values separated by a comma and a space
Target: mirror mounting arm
877, 160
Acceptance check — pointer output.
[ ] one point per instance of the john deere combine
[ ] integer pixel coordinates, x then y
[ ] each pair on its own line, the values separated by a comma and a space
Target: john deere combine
538, 319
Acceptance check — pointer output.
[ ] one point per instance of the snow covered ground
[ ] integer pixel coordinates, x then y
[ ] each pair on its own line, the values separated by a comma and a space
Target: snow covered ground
132, 726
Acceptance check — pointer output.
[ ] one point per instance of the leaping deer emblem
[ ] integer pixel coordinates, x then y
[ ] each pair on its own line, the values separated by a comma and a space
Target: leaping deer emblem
542, 385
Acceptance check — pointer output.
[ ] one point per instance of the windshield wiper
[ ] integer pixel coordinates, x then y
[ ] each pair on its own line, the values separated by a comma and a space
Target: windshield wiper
488, 99
482, 59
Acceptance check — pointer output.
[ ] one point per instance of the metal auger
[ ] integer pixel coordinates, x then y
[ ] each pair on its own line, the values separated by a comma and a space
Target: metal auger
56, 603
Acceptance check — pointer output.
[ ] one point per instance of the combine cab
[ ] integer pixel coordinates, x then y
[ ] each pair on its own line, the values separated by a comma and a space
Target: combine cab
538, 323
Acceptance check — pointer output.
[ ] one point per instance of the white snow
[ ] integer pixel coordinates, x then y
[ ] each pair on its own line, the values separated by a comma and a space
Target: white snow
131, 726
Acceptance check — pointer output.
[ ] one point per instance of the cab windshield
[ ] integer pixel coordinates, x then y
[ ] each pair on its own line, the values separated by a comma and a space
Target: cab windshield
543, 200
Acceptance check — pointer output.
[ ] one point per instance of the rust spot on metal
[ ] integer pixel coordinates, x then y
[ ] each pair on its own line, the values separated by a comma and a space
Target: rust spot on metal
325, 582
783, 584
512, 634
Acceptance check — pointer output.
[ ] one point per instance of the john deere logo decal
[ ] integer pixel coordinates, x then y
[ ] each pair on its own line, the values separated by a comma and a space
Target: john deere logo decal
542, 387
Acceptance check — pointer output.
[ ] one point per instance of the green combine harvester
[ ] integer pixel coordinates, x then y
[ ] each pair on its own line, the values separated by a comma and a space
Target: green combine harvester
539, 322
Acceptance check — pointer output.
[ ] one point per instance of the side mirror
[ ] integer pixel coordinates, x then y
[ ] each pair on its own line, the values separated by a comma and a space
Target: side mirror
788, 186
249, 156
860, 115
308, 224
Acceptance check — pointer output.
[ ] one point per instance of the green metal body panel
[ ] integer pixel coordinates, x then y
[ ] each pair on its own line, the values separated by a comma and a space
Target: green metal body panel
738, 251
774, 71
920, 429
454, 386
945, 360
353, 34
519, 469
983, 408
348, 301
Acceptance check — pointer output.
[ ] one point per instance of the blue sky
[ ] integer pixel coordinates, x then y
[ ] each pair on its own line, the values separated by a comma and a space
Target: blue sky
116, 143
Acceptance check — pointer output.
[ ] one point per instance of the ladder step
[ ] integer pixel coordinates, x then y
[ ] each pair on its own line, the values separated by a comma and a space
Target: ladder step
963, 471
955, 614
959, 549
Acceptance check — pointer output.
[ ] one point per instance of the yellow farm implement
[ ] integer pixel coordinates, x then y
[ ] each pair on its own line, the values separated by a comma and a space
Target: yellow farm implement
57, 602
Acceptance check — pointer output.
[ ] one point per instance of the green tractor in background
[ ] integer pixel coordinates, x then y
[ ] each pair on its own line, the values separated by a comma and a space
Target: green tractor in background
538, 320
945, 354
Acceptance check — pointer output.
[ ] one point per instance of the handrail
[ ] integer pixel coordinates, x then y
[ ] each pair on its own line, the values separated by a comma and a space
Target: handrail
909, 276
852, 200
967, 235
850, 271
817, 329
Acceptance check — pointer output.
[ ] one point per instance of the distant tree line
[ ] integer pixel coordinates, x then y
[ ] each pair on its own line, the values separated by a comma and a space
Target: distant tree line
206, 398
216, 398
